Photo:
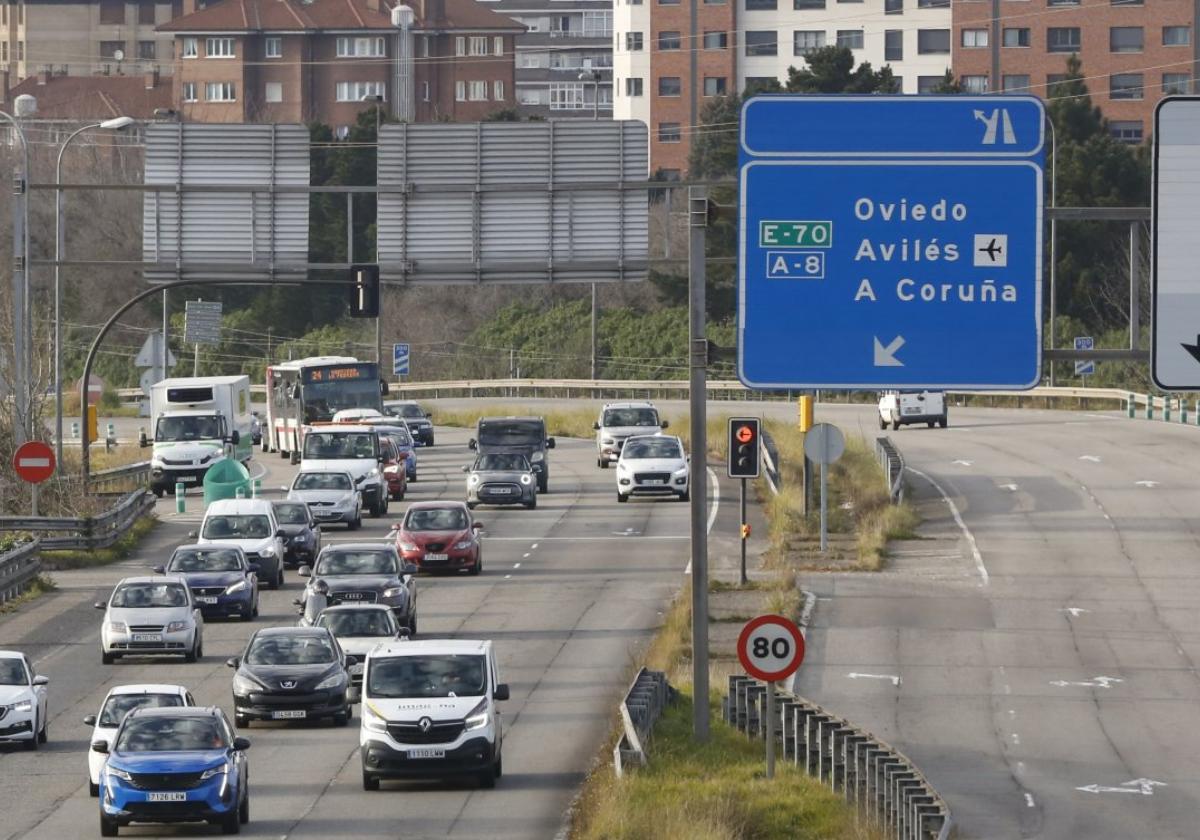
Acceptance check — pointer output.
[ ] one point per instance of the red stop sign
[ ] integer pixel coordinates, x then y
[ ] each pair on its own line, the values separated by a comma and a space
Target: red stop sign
33, 462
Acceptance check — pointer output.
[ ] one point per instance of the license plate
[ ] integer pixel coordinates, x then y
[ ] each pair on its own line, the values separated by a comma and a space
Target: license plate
147, 637
654, 481
356, 668
206, 599
428, 752
189, 479
437, 558
170, 796
288, 714
500, 490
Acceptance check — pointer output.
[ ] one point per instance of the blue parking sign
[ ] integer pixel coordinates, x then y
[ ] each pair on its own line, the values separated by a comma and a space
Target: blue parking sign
400, 360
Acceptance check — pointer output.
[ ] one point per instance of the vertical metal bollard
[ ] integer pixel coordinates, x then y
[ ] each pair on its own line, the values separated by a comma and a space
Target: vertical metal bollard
1130, 406
1149, 406
771, 729
1166, 409
180, 491
239, 493
75, 431
256, 489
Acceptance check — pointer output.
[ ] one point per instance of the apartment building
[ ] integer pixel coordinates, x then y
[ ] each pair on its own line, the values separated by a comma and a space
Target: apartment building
109, 37
564, 60
1133, 52
305, 60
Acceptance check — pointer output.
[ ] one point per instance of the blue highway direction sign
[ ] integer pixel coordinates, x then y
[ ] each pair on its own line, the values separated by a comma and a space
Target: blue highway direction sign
400, 360
916, 266
1084, 367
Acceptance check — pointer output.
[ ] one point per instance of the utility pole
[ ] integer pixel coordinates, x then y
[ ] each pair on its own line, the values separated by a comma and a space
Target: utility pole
697, 391
22, 388
595, 321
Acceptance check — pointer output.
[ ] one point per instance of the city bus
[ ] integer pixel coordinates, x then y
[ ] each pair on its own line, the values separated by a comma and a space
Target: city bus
307, 391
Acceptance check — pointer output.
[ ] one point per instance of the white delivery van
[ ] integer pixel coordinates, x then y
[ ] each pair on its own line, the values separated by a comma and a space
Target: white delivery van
900, 408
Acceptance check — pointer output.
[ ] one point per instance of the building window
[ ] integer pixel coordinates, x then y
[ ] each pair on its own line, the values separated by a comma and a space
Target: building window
188, 89
633, 41
1053, 79
478, 45
807, 5
533, 60
1174, 83
849, 1
1016, 37
714, 2
1126, 86
1125, 39
893, 7
218, 48
668, 2
145, 50
477, 91
498, 45
669, 86
633, 87
933, 41
460, 45
273, 92
112, 11
365, 48
4, 51
20, 50
761, 5
851, 39
974, 84
669, 132
220, 92
927, 84
273, 48
498, 90
716, 40
1063, 39
805, 40
762, 43
355, 91
1128, 2
933, 4
893, 45
424, 91
757, 84
146, 13
669, 41
109, 49
460, 91
972, 38
189, 48
1062, 2
1177, 36
566, 96
1127, 131
1014, 84
714, 86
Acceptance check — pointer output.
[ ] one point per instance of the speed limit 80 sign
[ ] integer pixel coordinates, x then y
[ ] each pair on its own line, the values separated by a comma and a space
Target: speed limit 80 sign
770, 648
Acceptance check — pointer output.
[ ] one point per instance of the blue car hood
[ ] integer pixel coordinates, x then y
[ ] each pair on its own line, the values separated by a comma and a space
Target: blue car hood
212, 578
190, 761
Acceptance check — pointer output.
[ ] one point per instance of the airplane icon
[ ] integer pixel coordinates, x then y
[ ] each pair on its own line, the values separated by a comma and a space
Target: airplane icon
991, 250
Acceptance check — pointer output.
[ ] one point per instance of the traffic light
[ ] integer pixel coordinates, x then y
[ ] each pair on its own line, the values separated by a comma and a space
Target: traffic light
743, 447
364, 293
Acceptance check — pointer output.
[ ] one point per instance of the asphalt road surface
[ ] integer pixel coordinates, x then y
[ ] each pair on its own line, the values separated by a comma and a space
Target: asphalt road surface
569, 591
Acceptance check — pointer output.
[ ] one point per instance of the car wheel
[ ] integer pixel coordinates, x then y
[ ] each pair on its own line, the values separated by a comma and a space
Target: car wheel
532, 503
931, 423
158, 492
230, 824
686, 495
499, 766
244, 810
254, 611
543, 483
622, 498
32, 743
194, 653
44, 735
241, 722
412, 625
108, 828
895, 425
882, 423
944, 421
478, 567
471, 505
487, 779
107, 658
413, 477
370, 782
355, 523
279, 578
93, 789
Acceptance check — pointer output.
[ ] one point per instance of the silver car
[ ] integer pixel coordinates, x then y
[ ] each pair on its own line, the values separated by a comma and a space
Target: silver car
151, 616
330, 495
501, 478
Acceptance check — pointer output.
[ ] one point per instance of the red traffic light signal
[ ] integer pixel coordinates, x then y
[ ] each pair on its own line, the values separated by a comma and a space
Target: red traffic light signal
743, 447
744, 434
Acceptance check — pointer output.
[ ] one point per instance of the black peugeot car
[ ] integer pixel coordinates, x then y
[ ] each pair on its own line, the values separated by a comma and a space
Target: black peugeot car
301, 533
291, 673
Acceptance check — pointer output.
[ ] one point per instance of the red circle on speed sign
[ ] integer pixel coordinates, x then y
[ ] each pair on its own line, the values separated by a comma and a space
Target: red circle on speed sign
33, 462
770, 647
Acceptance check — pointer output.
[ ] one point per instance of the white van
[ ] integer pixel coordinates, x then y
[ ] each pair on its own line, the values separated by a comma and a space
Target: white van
900, 408
251, 525
429, 710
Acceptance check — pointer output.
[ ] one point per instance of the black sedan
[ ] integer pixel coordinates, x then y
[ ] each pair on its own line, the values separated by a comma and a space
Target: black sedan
366, 573
223, 582
291, 673
301, 533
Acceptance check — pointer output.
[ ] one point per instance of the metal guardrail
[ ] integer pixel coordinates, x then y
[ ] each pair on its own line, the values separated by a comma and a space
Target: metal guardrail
18, 567
135, 475
892, 463
85, 532
640, 708
885, 786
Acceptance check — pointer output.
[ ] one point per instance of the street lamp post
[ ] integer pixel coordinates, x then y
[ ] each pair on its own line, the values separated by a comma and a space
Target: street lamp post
22, 389
59, 247
593, 77
377, 99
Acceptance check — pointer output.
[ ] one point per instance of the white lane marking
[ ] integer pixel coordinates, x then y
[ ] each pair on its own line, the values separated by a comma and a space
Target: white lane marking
975, 555
1012, 713
1021, 766
628, 532
712, 513
534, 545
1145, 787
507, 577
1074, 611
526, 554
963, 463
1016, 739
895, 680
1146, 483
1095, 459
1094, 682
518, 565
1100, 417
1029, 801
1012, 488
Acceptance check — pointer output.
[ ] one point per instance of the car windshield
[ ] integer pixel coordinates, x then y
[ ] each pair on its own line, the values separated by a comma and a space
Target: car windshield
150, 595
187, 428
206, 560
245, 527
502, 462
408, 410
357, 623
630, 417
427, 676
290, 650
292, 514
651, 448
322, 481
165, 734
512, 433
399, 434
119, 705
357, 563
340, 445
12, 672
435, 519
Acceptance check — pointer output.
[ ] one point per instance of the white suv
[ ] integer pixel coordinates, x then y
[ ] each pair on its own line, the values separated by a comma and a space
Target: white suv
619, 421
653, 465
429, 711
23, 709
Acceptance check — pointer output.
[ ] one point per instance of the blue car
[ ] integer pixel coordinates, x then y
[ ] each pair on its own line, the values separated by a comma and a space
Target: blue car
223, 582
171, 765
398, 433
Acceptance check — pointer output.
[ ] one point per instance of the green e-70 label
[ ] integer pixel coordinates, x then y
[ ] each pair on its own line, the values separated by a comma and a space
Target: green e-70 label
795, 234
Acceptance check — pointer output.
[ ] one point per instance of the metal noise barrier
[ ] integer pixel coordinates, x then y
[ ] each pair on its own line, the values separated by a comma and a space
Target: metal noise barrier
893, 467
18, 567
640, 708
887, 789
770, 461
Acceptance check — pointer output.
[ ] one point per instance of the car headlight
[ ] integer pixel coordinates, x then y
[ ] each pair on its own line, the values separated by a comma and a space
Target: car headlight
244, 685
477, 718
334, 679
240, 586
472, 479
526, 479
538, 456
682, 470
395, 592
176, 626
407, 546
21, 706
372, 719
608, 441
346, 501
118, 773
462, 545
214, 771
117, 627
269, 551
392, 470
374, 472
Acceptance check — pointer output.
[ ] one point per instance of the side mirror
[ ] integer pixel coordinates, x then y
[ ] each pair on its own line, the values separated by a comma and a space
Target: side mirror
191, 535
100, 605
476, 526
295, 392
466, 468
160, 570
240, 743
549, 443
297, 602
501, 692
41, 679
235, 438
403, 632
254, 567
351, 659
472, 444
233, 661
428, 415
143, 441
596, 427
353, 695
100, 747
280, 532
89, 720
304, 571
411, 568
664, 424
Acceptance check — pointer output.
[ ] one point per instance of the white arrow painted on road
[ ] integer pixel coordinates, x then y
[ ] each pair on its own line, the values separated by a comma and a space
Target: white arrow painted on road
1095, 459
963, 463
886, 356
856, 676
1094, 682
1146, 483
1012, 488
628, 532
1145, 787
1074, 611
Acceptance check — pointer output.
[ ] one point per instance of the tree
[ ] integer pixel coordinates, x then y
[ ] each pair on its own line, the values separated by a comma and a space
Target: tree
948, 84
832, 70
1070, 107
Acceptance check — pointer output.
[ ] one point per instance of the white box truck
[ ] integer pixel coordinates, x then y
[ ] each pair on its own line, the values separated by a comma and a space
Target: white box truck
198, 422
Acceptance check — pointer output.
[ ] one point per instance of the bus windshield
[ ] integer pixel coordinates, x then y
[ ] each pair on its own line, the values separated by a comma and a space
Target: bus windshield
324, 399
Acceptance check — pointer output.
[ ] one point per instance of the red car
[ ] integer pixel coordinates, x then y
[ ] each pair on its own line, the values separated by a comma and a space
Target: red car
440, 536
393, 468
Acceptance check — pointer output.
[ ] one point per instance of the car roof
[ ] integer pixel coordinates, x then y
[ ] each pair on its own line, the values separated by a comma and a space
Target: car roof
342, 428
211, 545
147, 688
225, 507
436, 503
291, 631
654, 437
11, 654
175, 711
357, 608
628, 405
152, 579
536, 419
324, 471
359, 546
426, 647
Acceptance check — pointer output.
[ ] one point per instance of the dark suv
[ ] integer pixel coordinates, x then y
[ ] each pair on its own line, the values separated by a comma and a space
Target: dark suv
522, 435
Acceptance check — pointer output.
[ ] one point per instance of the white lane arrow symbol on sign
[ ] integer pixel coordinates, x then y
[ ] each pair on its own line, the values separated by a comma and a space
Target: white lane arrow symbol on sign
1095, 459
1094, 682
886, 356
1146, 483
856, 676
1145, 787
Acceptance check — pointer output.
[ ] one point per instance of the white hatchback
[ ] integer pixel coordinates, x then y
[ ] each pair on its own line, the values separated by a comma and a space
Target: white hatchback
120, 701
151, 616
23, 710
653, 465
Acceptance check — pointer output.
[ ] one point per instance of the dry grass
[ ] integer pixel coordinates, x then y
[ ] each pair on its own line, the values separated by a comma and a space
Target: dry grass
120, 550
39, 586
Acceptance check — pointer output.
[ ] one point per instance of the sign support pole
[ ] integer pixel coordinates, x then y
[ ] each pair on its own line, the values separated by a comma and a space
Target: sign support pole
697, 392
743, 532
824, 512
33, 500
770, 729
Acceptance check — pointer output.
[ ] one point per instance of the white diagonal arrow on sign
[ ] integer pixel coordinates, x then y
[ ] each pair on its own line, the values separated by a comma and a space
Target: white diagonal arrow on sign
886, 356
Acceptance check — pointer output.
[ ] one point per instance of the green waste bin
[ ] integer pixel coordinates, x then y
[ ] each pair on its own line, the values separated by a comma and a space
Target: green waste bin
223, 480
